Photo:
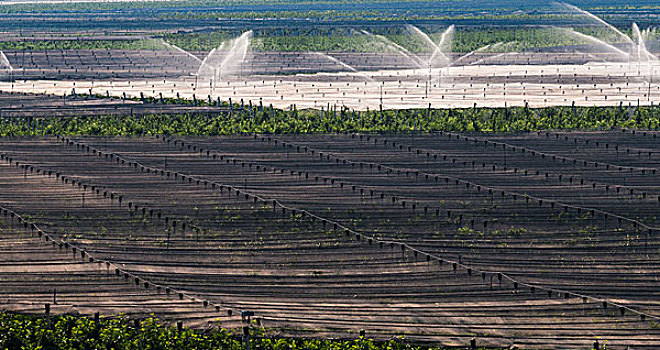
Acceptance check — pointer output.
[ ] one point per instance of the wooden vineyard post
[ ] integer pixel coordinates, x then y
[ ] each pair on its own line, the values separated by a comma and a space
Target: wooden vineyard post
246, 337
47, 311
246, 318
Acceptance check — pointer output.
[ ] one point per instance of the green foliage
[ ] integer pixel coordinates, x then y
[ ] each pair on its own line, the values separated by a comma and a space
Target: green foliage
465, 39
199, 41
70, 332
81, 44
331, 39
325, 15
270, 120
332, 43
41, 7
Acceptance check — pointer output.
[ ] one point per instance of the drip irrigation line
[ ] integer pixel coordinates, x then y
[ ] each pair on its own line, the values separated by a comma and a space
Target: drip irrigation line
422, 151
389, 169
358, 235
109, 264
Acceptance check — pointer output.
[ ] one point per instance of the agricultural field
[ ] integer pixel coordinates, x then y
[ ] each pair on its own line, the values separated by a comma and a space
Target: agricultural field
512, 239
287, 174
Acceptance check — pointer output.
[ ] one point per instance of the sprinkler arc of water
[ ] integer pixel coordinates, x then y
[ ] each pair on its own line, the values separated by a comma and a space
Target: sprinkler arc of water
335, 60
483, 48
5, 61
399, 49
182, 51
239, 47
209, 55
343, 64
435, 47
596, 41
598, 19
491, 57
641, 45
443, 43
225, 59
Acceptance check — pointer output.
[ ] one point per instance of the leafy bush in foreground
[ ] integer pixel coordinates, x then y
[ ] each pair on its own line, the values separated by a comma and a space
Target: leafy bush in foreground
69, 332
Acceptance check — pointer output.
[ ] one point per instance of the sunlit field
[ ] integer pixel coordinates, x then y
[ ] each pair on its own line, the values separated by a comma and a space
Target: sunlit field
329, 175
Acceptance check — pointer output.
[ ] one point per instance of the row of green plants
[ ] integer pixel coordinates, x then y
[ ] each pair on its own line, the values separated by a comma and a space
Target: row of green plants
334, 43
370, 15
83, 7
82, 44
199, 41
268, 120
465, 39
40, 7
72, 333
526, 38
313, 39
